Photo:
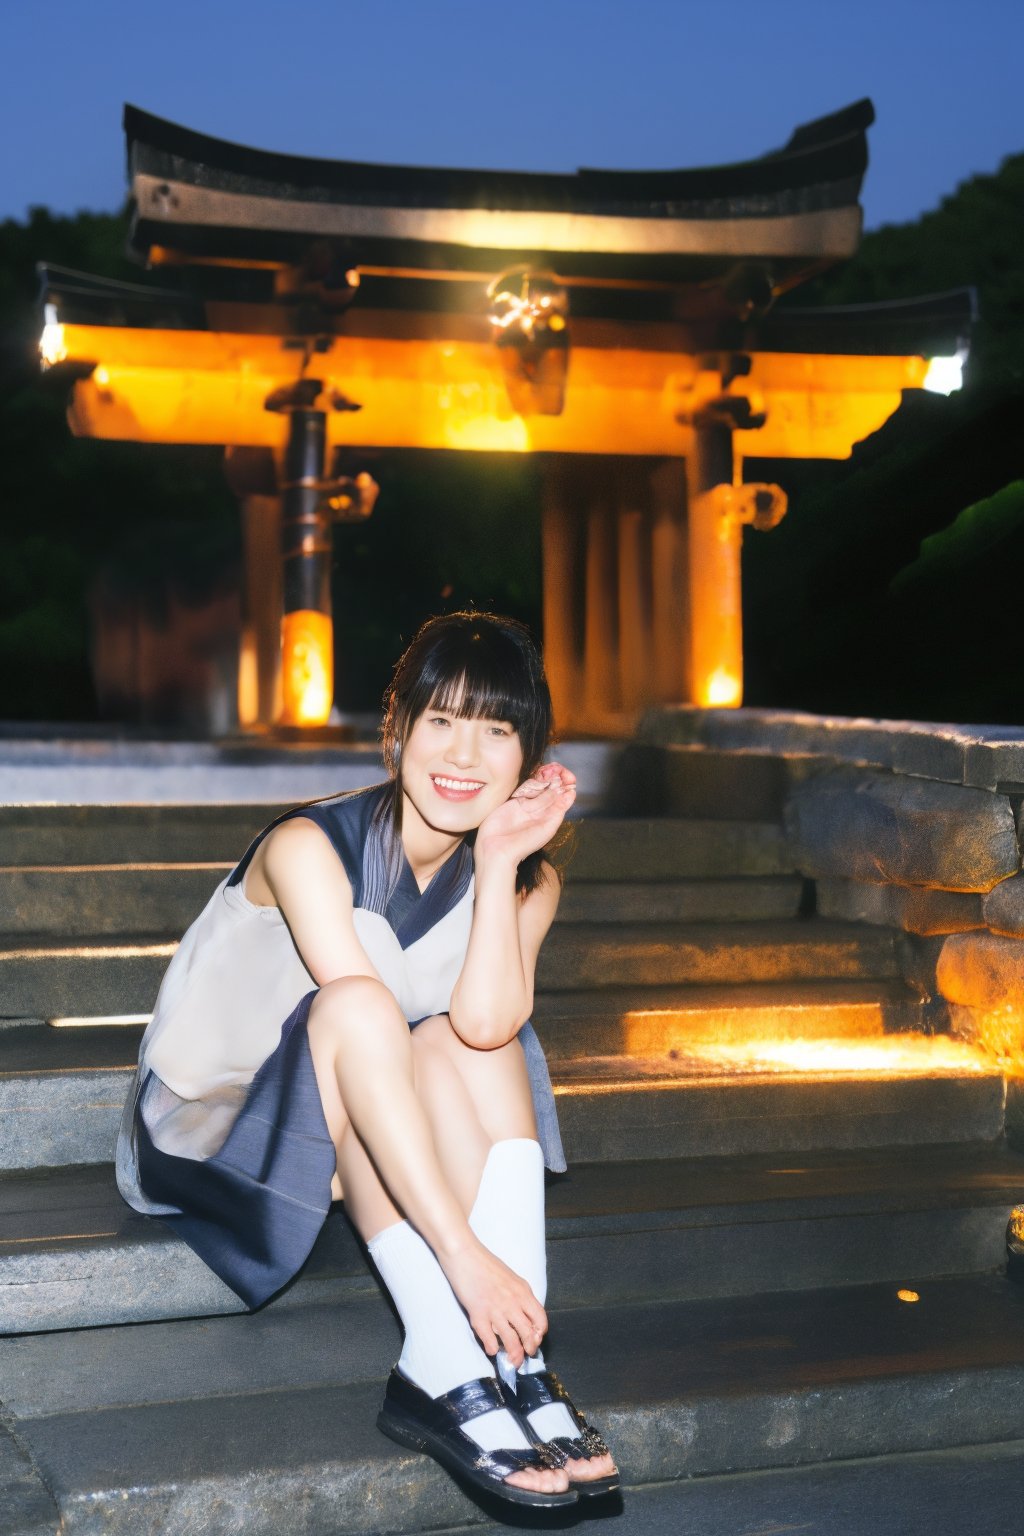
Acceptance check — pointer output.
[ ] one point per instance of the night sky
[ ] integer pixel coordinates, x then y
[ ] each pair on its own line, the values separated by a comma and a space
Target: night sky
533, 85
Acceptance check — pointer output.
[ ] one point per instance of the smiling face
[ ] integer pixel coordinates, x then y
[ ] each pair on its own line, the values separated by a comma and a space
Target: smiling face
455, 771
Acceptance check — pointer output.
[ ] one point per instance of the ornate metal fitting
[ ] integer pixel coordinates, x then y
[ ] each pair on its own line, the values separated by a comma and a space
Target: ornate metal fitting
529, 323
763, 506
720, 395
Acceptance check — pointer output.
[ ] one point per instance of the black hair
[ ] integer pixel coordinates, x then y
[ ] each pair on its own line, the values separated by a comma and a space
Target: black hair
476, 666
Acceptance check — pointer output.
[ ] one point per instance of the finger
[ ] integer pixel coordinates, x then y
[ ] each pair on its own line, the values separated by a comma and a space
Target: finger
536, 1317
512, 1344
486, 1334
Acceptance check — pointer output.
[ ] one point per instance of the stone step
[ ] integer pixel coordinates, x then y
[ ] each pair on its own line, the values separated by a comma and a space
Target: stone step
62, 1090
612, 1021
697, 781
657, 848
605, 848
620, 1107
129, 834
41, 977
73, 1255
105, 900
754, 898
104, 977
913, 1494
266, 1423
161, 900
583, 955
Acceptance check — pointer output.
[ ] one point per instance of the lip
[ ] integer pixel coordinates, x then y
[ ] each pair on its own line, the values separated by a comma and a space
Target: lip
455, 795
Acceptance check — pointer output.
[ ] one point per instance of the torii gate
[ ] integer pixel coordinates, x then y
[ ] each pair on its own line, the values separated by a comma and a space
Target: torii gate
618, 323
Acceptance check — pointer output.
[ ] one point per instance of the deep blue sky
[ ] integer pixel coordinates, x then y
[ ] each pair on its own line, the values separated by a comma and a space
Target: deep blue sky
530, 85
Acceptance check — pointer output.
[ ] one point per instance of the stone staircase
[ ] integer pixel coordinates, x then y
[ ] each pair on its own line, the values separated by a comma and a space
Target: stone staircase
727, 1256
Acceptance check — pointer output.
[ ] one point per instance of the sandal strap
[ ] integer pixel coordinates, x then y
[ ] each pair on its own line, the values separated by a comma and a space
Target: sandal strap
543, 1387
454, 1409
473, 1398
503, 1462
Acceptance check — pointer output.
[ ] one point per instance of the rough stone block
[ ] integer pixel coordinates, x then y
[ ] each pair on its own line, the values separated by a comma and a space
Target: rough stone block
915, 909
982, 975
1015, 1112
879, 828
982, 970
1003, 907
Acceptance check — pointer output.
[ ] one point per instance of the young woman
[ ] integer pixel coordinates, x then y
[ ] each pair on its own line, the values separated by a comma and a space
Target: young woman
349, 1018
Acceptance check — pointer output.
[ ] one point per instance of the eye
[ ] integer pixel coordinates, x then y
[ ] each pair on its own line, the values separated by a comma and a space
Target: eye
438, 719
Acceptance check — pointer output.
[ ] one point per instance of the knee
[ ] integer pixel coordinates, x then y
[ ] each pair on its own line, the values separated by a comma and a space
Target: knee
354, 1003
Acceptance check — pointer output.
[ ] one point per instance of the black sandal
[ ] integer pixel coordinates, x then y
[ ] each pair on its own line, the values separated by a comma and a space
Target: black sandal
413, 1418
543, 1387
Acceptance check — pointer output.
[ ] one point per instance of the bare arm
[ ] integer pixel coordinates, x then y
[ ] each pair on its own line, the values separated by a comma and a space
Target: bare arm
296, 867
494, 993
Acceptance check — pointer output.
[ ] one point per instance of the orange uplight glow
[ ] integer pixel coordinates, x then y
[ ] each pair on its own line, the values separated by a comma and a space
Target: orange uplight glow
722, 688
307, 667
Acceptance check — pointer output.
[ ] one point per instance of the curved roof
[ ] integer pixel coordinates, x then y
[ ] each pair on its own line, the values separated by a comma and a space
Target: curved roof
207, 198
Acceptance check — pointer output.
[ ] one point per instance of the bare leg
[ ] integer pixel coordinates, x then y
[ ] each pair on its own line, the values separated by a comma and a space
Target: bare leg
498, 1089
363, 1058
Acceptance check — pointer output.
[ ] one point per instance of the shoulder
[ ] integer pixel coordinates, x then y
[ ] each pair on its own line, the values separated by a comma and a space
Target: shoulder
300, 849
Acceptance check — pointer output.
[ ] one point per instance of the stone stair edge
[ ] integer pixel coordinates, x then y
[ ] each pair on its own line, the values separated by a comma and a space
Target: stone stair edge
179, 1457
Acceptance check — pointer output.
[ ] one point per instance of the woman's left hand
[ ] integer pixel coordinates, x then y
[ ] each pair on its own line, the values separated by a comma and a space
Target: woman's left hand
529, 818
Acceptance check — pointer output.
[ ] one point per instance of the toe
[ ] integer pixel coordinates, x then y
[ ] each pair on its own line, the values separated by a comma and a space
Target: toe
588, 1471
541, 1480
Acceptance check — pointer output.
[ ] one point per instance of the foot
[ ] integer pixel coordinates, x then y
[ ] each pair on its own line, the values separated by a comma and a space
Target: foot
440, 1426
591, 1471
557, 1424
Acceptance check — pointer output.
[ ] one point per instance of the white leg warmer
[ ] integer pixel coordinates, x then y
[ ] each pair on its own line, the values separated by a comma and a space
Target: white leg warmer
508, 1218
440, 1350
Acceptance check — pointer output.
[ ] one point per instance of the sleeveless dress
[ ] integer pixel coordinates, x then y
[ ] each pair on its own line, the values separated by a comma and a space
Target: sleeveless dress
223, 1134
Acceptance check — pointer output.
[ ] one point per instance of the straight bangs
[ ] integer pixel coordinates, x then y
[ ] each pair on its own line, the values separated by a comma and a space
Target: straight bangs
475, 667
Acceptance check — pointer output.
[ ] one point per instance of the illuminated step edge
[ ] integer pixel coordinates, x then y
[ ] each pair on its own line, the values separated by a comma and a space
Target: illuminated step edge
610, 1108
624, 1021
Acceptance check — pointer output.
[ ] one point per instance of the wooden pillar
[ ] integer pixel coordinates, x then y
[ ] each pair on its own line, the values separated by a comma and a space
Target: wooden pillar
561, 556
670, 584
259, 668
636, 681
715, 539
616, 603
601, 688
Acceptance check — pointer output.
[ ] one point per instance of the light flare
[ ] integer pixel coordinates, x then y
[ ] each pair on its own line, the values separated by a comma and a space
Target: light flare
723, 688
307, 667
52, 344
945, 375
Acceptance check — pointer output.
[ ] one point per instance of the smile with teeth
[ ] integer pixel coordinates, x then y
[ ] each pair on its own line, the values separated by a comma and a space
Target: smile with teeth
456, 786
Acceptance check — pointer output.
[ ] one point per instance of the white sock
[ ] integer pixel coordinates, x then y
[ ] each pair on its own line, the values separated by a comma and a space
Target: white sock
508, 1218
440, 1350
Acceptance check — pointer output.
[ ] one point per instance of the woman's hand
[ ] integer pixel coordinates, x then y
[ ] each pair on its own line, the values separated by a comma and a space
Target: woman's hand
529, 818
502, 1309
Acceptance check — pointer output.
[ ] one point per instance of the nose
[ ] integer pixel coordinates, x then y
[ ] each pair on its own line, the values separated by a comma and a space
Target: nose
464, 746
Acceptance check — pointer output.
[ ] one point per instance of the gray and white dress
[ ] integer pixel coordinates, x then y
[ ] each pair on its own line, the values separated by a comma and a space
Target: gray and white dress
223, 1135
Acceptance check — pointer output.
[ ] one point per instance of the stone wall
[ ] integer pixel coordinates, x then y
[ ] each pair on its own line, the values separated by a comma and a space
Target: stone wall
912, 826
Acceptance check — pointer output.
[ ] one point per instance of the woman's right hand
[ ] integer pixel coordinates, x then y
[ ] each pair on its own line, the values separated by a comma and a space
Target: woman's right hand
502, 1309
